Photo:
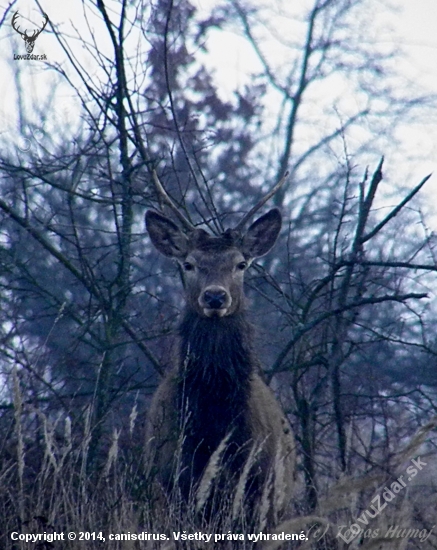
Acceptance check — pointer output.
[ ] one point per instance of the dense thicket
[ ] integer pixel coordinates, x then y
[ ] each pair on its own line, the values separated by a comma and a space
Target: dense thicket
344, 306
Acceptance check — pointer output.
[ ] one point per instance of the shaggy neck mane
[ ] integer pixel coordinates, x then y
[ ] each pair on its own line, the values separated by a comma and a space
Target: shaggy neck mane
216, 362
216, 351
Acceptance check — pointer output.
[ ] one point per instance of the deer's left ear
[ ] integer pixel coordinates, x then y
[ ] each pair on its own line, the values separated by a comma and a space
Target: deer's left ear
262, 234
166, 235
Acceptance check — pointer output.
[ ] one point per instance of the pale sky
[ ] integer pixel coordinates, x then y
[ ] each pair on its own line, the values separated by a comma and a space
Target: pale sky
416, 28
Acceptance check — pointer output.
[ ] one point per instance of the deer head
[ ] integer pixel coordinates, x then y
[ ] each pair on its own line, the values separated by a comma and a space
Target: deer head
213, 266
28, 39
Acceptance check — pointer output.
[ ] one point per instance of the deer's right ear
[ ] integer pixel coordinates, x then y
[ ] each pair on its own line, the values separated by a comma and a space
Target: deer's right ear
166, 235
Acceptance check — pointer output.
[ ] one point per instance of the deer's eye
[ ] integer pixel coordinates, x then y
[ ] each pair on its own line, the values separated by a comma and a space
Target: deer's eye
242, 266
188, 266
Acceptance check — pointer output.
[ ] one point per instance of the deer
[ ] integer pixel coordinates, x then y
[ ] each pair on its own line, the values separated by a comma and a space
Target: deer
215, 432
29, 40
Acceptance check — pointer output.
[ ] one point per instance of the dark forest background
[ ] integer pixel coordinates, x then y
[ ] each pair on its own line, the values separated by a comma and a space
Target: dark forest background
344, 306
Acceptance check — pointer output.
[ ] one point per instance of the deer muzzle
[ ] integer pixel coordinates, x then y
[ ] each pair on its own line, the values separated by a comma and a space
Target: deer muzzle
215, 301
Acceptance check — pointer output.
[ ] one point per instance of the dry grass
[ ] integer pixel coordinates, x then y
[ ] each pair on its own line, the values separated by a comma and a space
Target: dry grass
57, 492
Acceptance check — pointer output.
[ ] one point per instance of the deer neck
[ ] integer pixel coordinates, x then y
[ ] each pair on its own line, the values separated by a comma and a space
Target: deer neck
216, 352
216, 363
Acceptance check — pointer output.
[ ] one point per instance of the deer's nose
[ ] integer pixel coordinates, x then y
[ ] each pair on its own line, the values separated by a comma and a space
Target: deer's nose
214, 298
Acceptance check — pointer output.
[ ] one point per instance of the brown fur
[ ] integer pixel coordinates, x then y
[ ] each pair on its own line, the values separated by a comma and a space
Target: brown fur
214, 394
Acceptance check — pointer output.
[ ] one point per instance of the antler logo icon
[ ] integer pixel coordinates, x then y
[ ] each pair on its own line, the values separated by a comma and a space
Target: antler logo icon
29, 39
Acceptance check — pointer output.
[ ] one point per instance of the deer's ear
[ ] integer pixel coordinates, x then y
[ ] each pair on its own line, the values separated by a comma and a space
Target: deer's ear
166, 235
262, 234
